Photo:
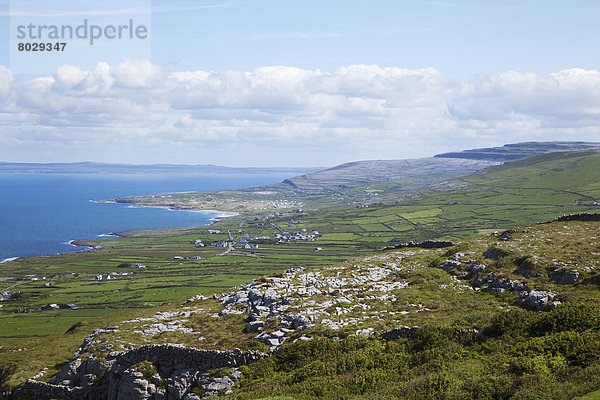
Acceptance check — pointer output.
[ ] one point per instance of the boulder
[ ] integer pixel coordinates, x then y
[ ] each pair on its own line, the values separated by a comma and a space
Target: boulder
564, 277
449, 265
538, 300
298, 322
400, 332
255, 326
475, 269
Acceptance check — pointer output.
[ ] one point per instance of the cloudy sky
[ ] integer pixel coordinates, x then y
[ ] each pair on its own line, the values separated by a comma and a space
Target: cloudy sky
299, 83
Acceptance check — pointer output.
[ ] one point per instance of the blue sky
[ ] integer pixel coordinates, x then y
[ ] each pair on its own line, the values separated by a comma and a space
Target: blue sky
301, 83
459, 38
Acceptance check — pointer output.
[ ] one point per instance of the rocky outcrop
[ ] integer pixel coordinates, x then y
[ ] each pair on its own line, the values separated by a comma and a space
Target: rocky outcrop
274, 339
538, 300
473, 271
213, 386
492, 283
176, 370
401, 332
564, 277
267, 300
298, 322
530, 299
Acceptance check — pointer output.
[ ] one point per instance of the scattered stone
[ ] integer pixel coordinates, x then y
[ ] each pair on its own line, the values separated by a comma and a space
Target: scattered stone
214, 386
195, 298
365, 332
468, 334
492, 283
302, 338
506, 236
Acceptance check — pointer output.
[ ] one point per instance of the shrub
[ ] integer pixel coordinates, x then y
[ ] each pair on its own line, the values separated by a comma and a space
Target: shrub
577, 317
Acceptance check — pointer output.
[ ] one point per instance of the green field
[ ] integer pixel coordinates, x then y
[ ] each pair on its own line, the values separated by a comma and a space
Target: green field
350, 224
523, 192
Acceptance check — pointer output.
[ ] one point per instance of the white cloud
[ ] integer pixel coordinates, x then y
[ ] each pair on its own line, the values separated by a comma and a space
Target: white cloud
138, 74
69, 76
286, 115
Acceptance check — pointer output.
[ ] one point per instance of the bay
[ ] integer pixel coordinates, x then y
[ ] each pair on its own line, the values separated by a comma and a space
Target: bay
41, 213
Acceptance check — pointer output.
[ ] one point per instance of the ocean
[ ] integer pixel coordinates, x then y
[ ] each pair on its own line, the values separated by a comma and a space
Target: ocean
41, 213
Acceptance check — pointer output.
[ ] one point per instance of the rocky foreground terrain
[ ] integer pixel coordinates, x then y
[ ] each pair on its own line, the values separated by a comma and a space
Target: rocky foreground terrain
205, 347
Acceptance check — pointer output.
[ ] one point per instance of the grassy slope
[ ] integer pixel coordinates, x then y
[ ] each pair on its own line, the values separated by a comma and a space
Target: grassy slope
525, 192
524, 354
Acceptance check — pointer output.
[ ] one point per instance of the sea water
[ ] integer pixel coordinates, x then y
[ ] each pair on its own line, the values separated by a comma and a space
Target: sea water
41, 213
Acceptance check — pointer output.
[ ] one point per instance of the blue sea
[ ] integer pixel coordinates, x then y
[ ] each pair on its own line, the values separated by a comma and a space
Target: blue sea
41, 213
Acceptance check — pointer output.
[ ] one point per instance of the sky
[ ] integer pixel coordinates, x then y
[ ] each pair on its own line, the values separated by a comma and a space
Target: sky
296, 83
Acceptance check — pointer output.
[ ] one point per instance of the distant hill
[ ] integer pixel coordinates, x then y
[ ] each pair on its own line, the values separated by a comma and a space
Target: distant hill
109, 168
517, 151
414, 172
422, 172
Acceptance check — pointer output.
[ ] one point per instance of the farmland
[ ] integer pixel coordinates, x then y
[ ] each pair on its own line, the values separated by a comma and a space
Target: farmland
157, 270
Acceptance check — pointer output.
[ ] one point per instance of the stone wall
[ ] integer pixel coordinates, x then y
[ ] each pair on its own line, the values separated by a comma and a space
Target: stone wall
179, 370
584, 217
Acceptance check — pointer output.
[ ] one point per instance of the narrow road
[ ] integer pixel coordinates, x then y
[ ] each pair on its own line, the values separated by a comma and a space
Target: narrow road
12, 286
226, 251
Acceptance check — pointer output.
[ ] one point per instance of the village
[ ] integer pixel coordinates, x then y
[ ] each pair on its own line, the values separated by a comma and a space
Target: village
282, 236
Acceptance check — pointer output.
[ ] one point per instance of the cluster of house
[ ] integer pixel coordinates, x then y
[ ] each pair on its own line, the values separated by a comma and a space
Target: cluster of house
302, 234
4, 296
244, 242
269, 216
179, 258
35, 278
53, 306
112, 275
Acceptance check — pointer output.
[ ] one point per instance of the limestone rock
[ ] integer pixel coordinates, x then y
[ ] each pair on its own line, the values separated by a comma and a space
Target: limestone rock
564, 277
400, 332
538, 300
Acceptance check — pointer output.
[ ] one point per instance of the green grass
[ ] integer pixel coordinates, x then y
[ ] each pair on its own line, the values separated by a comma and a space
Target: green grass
590, 396
501, 197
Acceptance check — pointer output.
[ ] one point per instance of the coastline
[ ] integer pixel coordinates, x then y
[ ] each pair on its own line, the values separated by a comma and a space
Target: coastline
214, 220
84, 245
222, 214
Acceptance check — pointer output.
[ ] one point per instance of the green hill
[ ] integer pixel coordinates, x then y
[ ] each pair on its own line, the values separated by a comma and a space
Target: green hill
498, 198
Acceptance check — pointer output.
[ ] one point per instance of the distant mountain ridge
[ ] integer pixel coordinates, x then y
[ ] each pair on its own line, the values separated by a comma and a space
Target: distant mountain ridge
120, 168
517, 151
416, 173
422, 172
